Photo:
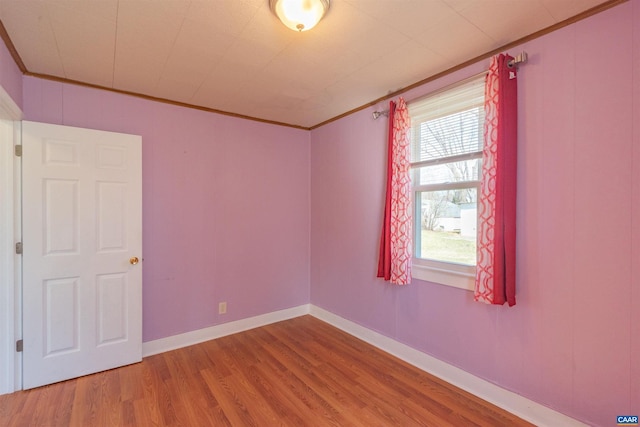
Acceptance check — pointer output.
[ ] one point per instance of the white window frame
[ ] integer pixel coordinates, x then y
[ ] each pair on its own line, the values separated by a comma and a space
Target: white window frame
460, 276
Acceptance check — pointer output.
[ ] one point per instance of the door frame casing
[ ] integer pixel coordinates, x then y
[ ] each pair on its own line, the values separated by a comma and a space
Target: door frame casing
10, 262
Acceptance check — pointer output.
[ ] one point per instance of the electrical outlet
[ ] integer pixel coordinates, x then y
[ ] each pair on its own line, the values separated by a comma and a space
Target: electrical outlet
222, 308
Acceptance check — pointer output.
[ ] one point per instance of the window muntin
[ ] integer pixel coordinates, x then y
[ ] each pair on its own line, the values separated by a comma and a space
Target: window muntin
447, 139
449, 172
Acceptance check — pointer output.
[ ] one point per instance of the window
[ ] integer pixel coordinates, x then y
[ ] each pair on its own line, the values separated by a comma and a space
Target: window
446, 163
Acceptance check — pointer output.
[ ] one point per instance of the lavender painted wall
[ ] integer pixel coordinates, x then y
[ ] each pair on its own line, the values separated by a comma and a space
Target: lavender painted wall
573, 340
635, 226
10, 75
225, 205
226, 218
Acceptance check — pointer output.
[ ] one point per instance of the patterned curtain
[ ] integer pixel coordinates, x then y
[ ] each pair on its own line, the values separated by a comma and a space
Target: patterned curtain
496, 264
394, 262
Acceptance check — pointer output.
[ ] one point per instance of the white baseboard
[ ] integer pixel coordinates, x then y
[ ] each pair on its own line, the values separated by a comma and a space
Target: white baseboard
520, 406
194, 337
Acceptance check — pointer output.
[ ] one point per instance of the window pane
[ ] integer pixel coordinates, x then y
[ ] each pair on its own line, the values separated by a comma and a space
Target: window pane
447, 229
467, 170
452, 135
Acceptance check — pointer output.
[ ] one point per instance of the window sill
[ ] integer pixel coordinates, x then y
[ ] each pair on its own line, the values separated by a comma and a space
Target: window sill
458, 276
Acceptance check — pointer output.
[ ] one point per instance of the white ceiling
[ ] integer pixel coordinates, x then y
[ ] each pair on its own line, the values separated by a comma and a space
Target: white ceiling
235, 56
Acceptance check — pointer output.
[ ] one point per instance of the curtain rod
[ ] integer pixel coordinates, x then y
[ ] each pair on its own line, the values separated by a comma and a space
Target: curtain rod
518, 59
521, 58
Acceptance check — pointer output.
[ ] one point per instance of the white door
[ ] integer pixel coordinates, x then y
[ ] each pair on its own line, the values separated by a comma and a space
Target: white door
82, 239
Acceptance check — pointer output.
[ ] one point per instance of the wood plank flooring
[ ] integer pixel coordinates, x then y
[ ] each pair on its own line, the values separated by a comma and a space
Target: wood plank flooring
300, 372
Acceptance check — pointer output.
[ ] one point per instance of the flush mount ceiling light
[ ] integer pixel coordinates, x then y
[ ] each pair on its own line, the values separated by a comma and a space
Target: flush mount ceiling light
299, 15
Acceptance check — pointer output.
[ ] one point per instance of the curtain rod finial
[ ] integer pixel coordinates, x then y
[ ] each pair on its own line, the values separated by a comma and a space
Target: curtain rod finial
518, 59
377, 114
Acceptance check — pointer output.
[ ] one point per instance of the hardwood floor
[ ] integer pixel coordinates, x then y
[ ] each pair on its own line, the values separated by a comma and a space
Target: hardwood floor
298, 372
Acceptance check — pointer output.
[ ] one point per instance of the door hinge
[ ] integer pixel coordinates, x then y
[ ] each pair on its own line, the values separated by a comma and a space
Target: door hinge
18, 150
19, 346
19, 248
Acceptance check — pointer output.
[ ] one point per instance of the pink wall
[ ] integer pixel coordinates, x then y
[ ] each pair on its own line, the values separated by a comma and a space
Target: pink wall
226, 218
10, 75
635, 225
573, 340
225, 205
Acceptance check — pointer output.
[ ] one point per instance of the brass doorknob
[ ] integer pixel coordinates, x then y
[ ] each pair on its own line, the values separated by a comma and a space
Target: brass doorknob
133, 260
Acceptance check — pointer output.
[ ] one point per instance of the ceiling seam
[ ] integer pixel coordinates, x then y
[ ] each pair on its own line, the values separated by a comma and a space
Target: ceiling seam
590, 12
579, 17
115, 46
173, 45
55, 39
227, 50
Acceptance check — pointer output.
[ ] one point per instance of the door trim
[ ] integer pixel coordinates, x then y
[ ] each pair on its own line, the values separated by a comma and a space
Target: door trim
10, 263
